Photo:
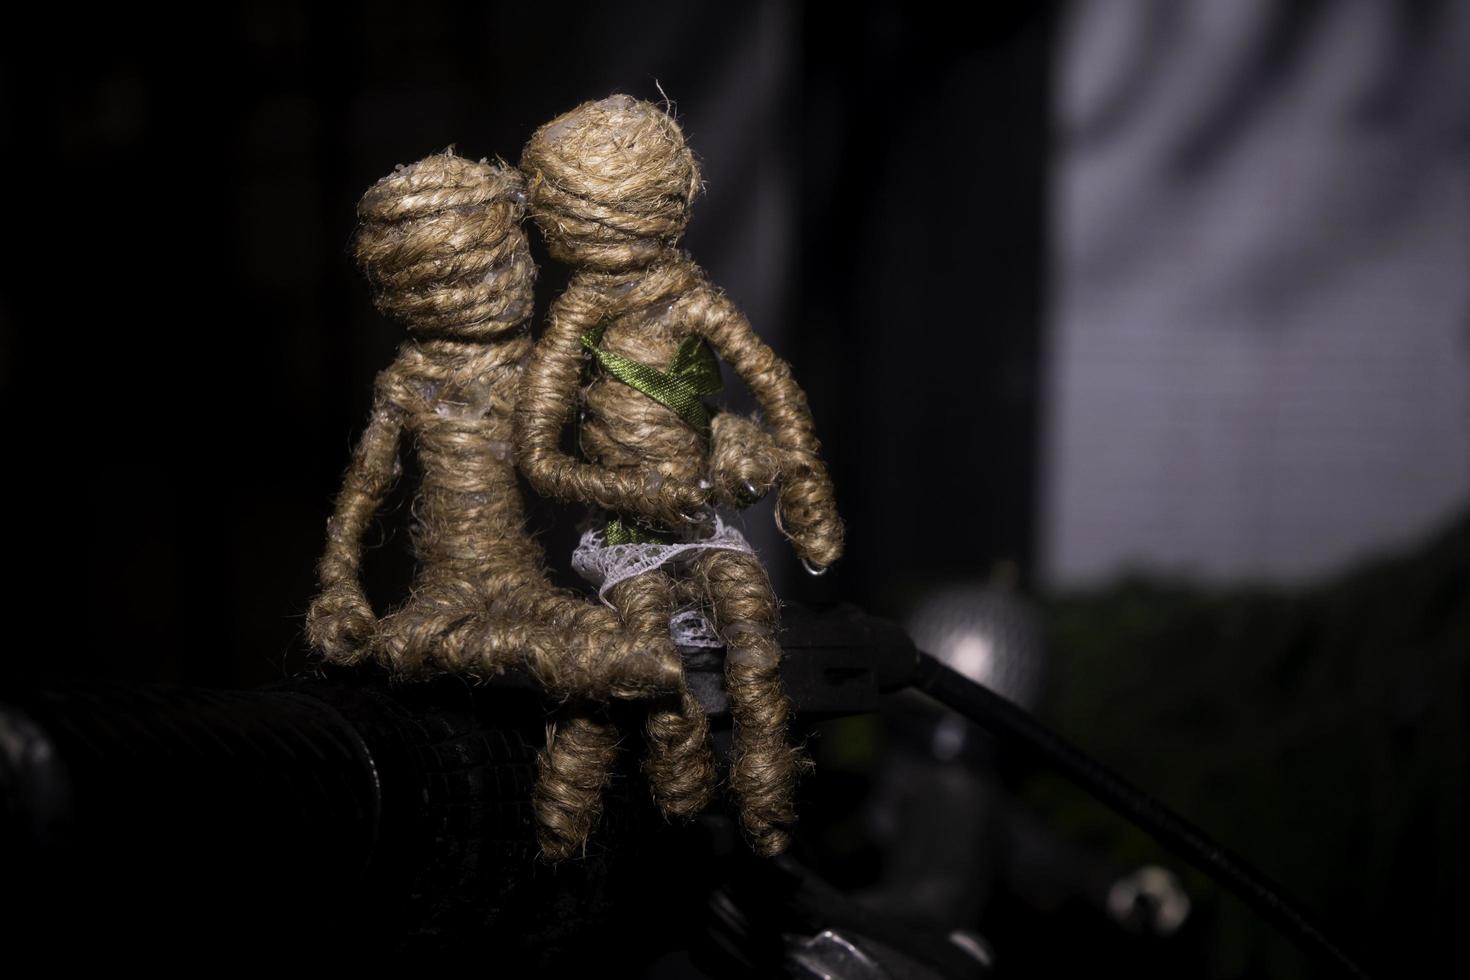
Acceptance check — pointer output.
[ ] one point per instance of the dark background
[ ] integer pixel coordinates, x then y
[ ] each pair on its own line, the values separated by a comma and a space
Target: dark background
189, 351
186, 354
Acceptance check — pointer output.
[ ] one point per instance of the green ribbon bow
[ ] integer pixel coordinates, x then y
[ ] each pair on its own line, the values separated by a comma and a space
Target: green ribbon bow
694, 373
619, 531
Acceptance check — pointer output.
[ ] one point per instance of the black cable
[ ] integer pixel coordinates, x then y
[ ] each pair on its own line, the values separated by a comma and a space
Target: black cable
1014, 727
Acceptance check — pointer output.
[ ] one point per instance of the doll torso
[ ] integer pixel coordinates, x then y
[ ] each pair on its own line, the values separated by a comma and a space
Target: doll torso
457, 400
645, 322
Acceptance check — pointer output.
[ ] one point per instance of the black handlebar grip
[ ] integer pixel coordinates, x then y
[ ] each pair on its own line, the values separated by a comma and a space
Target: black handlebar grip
342, 805
325, 811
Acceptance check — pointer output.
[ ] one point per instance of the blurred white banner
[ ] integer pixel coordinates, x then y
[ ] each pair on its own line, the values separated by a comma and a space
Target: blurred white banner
1259, 358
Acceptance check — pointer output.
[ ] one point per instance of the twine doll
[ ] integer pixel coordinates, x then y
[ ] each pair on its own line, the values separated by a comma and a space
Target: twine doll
441, 243
610, 185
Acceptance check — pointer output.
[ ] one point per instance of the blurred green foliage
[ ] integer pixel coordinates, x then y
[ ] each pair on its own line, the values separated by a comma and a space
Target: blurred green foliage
1320, 732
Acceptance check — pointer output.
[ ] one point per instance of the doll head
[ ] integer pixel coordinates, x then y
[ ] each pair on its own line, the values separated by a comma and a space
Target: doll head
441, 243
610, 183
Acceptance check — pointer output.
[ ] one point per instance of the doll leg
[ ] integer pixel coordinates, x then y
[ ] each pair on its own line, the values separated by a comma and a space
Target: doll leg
763, 768
591, 653
447, 627
573, 770
582, 745
427, 630
447, 624
680, 766
574, 648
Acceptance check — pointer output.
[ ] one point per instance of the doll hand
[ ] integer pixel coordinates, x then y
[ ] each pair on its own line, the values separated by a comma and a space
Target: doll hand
340, 623
667, 501
807, 514
744, 463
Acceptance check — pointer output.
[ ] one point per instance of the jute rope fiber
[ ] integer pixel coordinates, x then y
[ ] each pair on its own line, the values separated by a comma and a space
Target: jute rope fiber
441, 243
610, 185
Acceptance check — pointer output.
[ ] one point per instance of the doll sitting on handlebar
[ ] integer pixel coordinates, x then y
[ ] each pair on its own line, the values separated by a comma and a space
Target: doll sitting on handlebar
442, 244
633, 343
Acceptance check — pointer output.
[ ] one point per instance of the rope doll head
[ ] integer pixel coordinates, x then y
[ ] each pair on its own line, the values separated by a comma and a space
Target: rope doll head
440, 241
611, 183
610, 186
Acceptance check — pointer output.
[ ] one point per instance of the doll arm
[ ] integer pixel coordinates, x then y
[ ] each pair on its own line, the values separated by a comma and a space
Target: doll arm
548, 397
340, 620
806, 509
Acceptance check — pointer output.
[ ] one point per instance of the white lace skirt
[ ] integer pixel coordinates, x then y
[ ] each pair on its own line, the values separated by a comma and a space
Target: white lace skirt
605, 565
